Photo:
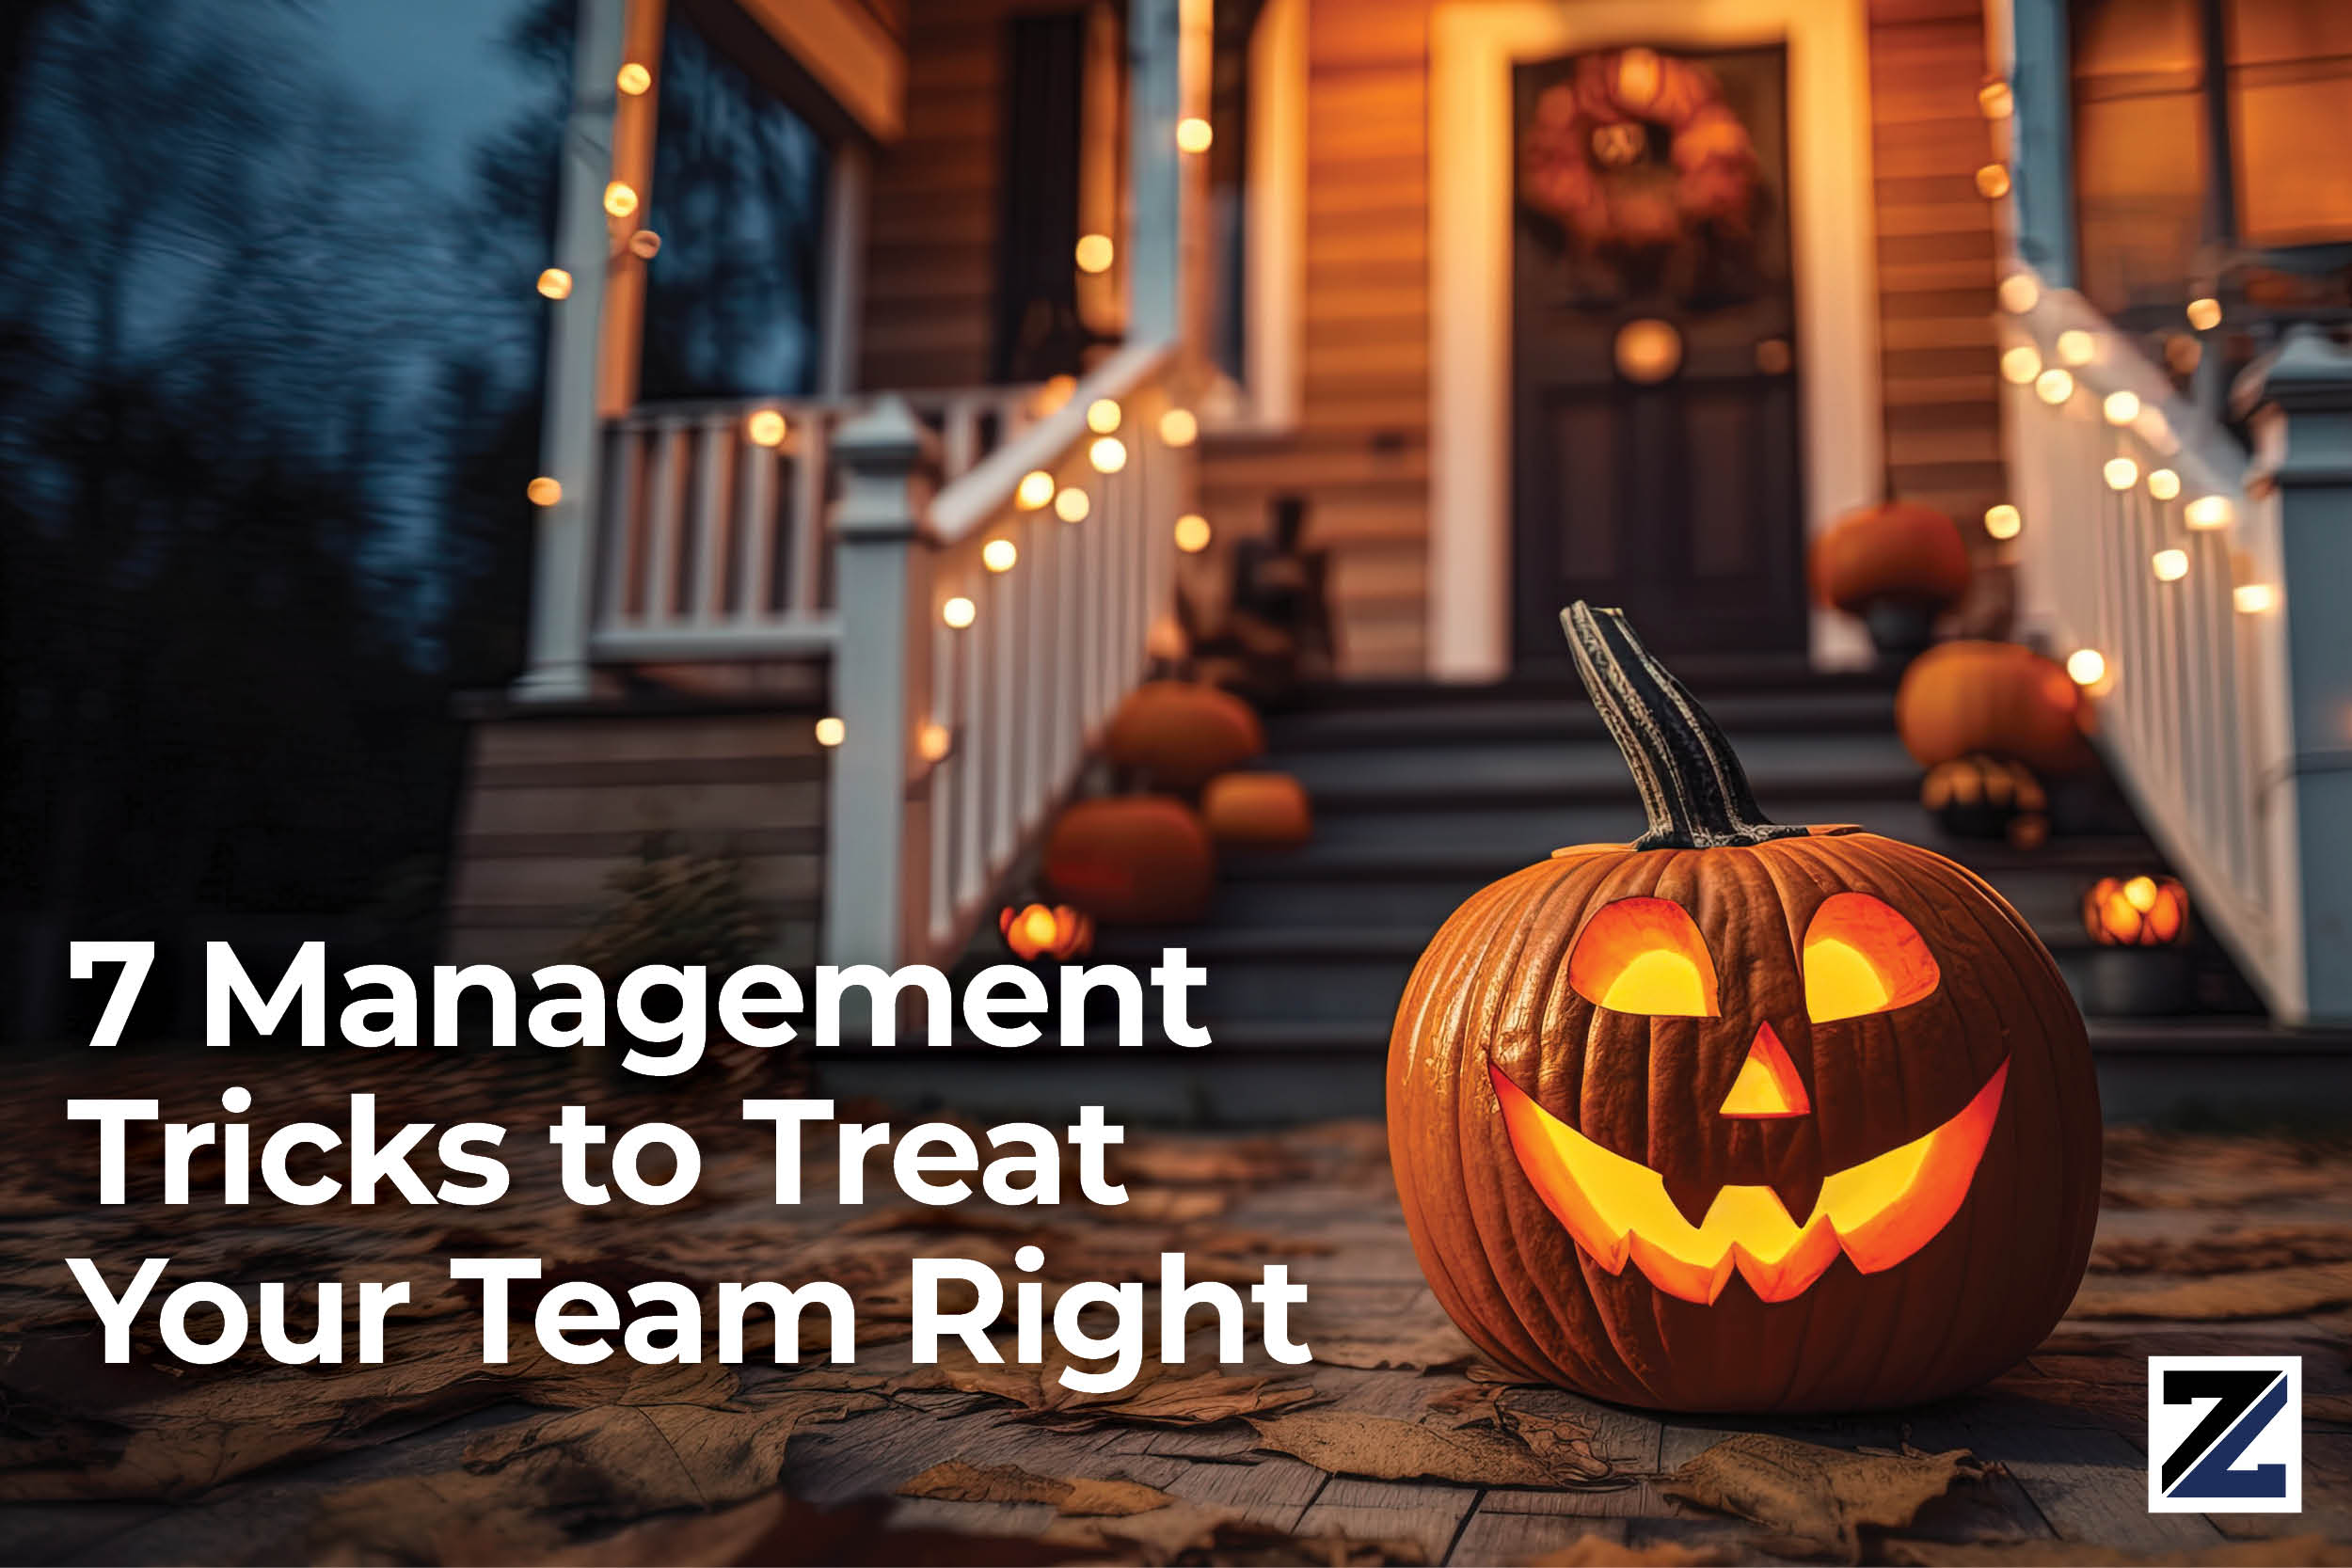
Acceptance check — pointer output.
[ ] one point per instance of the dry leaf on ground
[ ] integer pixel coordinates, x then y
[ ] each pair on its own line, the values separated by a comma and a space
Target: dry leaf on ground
959, 1481
2293, 1551
1160, 1395
1824, 1497
1346, 1443
778, 1531
1188, 1533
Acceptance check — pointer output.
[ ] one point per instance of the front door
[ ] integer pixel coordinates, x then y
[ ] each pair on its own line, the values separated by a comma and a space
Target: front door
1655, 384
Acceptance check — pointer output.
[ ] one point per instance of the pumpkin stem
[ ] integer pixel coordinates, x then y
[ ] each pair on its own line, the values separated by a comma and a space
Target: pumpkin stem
1691, 785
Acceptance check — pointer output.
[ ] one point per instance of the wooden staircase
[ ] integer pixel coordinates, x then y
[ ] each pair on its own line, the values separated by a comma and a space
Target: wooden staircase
1426, 793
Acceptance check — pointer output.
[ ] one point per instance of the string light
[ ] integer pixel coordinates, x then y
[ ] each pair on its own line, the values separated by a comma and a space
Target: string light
2169, 565
2120, 408
830, 731
555, 283
620, 198
1108, 455
2207, 511
2204, 313
2020, 365
1035, 490
2054, 387
2163, 484
999, 554
2085, 667
1094, 253
2019, 292
959, 613
1192, 533
932, 740
1071, 505
1993, 181
2253, 598
2004, 521
2076, 346
1194, 135
2122, 473
633, 79
1178, 427
764, 428
1102, 416
1051, 393
1995, 100
544, 491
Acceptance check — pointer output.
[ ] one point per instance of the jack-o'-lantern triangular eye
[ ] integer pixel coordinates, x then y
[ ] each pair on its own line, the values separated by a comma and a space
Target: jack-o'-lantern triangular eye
1860, 957
1643, 955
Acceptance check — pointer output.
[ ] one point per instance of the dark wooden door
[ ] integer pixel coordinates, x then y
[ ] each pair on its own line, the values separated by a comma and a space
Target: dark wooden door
1655, 442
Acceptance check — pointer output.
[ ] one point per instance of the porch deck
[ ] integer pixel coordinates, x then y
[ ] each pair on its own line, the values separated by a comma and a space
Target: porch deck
1394, 1445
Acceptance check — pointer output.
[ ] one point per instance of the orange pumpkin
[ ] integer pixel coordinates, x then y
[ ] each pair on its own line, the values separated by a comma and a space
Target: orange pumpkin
1182, 733
1741, 1116
1036, 930
1987, 797
1132, 860
1261, 811
1998, 697
1894, 551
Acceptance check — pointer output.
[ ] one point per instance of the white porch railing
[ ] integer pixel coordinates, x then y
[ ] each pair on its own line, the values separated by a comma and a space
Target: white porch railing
2149, 540
987, 631
712, 540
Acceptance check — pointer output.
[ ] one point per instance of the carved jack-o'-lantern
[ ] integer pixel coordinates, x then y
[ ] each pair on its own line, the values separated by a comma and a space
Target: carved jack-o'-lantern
1042, 931
1740, 1117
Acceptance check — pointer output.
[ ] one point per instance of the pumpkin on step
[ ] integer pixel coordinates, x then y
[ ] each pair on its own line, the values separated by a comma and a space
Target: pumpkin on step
1893, 549
1987, 797
1997, 697
1133, 860
1258, 811
1741, 1116
1182, 733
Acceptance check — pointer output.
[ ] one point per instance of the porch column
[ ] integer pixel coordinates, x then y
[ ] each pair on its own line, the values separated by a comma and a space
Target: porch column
878, 853
1155, 169
562, 577
2305, 436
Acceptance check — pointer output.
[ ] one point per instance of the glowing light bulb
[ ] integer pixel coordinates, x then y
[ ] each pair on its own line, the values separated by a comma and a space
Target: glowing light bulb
2020, 365
933, 741
620, 198
764, 428
2207, 511
830, 731
2076, 346
2121, 473
2253, 598
1178, 427
1192, 533
1035, 490
633, 79
1108, 455
555, 283
999, 554
2169, 565
1995, 100
2054, 387
959, 613
1102, 416
2019, 292
2163, 484
1071, 504
1094, 253
1993, 181
2003, 521
1194, 135
544, 491
2204, 314
2120, 408
2085, 667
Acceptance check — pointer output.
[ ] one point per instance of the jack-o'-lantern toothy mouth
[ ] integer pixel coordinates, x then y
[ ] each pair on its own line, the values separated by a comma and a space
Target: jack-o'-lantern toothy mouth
1878, 1213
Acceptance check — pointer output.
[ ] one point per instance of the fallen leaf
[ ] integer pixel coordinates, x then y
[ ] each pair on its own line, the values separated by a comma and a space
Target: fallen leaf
1346, 1443
1158, 1397
959, 1481
2266, 1293
1598, 1551
1825, 1497
779, 1531
2290, 1551
1188, 1533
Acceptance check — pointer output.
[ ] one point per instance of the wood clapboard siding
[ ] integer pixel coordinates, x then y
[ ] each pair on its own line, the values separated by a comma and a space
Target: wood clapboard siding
554, 805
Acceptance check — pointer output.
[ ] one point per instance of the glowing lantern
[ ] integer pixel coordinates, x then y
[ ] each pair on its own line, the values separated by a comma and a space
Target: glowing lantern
1039, 930
1658, 1111
2136, 912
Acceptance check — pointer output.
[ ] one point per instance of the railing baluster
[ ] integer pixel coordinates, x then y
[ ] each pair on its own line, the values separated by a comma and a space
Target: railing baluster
757, 522
804, 535
662, 514
713, 542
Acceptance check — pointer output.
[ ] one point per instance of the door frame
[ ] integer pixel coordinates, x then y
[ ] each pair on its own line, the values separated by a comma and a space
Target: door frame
1833, 243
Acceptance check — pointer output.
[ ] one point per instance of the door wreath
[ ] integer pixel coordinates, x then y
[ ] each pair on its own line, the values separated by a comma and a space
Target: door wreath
1586, 157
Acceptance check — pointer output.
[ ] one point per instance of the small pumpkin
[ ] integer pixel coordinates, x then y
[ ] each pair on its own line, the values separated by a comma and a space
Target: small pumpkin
1135, 860
1182, 733
1258, 811
1892, 550
1987, 797
2137, 911
1041, 930
1619, 1077
1998, 697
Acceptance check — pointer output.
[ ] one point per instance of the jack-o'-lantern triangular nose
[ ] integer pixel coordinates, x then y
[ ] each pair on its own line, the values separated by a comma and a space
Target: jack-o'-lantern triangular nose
1768, 1084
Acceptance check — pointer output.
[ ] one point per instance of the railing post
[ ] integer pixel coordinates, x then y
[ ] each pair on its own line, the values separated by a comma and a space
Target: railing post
877, 864
2304, 433
563, 575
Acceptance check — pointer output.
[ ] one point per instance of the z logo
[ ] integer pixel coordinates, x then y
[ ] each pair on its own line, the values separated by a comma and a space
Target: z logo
2225, 1434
